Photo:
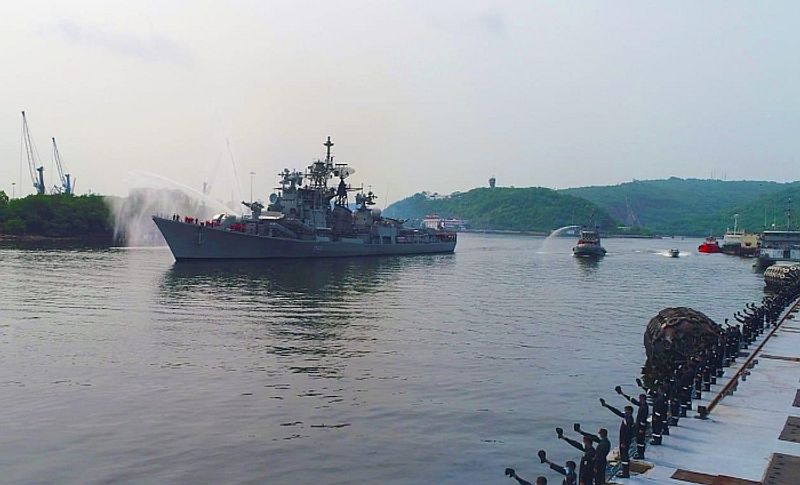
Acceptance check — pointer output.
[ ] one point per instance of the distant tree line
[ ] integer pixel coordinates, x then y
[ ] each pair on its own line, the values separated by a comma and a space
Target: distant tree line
82, 216
502, 208
674, 206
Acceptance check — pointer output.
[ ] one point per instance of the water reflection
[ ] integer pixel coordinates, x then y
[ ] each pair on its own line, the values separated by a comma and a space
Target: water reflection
588, 266
312, 315
319, 277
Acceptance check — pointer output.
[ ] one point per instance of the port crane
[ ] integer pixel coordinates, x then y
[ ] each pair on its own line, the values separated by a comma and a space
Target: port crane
32, 155
67, 184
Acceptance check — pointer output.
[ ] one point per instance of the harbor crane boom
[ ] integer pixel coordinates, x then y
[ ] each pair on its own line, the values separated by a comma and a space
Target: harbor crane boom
32, 155
67, 184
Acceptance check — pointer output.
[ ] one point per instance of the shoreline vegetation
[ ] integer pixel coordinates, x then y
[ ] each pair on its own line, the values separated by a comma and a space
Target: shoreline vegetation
640, 209
55, 220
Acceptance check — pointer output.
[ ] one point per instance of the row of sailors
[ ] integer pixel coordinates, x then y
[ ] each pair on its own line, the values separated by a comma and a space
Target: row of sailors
670, 400
196, 221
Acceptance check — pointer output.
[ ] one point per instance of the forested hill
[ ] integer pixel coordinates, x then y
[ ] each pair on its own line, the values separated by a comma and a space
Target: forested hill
682, 206
522, 209
771, 209
692, 207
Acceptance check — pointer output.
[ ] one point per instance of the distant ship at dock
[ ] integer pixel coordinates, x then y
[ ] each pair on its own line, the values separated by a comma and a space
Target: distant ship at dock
778, 246
738, 242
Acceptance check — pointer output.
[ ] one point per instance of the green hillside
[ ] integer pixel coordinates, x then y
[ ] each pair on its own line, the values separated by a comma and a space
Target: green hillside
771, 208
681, 206
516, 209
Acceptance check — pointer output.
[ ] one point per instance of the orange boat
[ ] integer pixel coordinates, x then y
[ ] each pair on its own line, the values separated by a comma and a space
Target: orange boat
709, 246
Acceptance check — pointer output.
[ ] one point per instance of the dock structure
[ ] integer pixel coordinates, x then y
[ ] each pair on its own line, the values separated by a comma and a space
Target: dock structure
751, 434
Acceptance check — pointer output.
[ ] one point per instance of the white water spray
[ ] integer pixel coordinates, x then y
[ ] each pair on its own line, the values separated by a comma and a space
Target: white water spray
152, 194
560, 232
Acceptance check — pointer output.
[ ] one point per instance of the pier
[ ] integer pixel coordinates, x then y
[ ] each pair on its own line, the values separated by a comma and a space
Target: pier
751, 434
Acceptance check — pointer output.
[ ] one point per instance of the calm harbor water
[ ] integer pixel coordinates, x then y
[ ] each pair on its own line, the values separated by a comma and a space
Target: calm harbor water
122, 366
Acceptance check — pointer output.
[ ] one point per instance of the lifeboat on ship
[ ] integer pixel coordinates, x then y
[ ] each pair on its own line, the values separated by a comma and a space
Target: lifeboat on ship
710, 245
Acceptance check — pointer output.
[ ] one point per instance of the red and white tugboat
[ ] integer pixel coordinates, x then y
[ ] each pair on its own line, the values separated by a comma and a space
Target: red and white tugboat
589, 244
709, 246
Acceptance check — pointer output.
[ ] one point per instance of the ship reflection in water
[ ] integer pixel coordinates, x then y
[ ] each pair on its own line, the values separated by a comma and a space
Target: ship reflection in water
320, 309
588, 266
323, 278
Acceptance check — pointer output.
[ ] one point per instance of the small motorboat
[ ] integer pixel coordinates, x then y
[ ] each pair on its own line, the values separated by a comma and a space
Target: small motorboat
709, 246
673, 253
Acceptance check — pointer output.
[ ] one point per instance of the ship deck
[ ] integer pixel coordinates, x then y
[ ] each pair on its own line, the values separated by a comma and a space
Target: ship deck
751, 436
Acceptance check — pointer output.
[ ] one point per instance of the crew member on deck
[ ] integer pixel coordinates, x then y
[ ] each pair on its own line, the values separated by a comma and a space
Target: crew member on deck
570, 478
641, 421
625, 435
660, 408
513, 474
586, 471
601, 453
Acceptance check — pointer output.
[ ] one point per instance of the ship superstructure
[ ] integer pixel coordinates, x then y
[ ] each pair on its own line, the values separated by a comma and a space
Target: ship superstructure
738, 242
777, 246
305, 217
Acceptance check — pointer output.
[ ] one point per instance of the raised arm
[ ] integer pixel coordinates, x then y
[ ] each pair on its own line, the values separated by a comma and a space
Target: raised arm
573, 443
621, 393
511, 473
612, 408
557, 468
593, 437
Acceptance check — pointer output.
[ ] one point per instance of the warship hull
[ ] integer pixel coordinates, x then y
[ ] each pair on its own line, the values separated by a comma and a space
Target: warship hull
194, 242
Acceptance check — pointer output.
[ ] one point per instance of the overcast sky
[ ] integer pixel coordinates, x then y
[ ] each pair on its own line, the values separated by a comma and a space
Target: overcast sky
428, 95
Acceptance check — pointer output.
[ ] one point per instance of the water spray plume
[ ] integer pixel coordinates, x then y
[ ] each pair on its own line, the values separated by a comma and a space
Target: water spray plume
152, 194
561, 231
143, 179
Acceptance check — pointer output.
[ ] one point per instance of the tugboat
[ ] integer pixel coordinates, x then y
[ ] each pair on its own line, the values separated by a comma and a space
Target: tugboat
588, 245
310, 220
709, 246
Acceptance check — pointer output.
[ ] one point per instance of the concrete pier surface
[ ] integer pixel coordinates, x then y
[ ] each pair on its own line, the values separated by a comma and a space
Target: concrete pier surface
751, 436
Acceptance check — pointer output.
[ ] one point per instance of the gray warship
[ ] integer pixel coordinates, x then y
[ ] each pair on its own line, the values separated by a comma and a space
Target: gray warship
303, 221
